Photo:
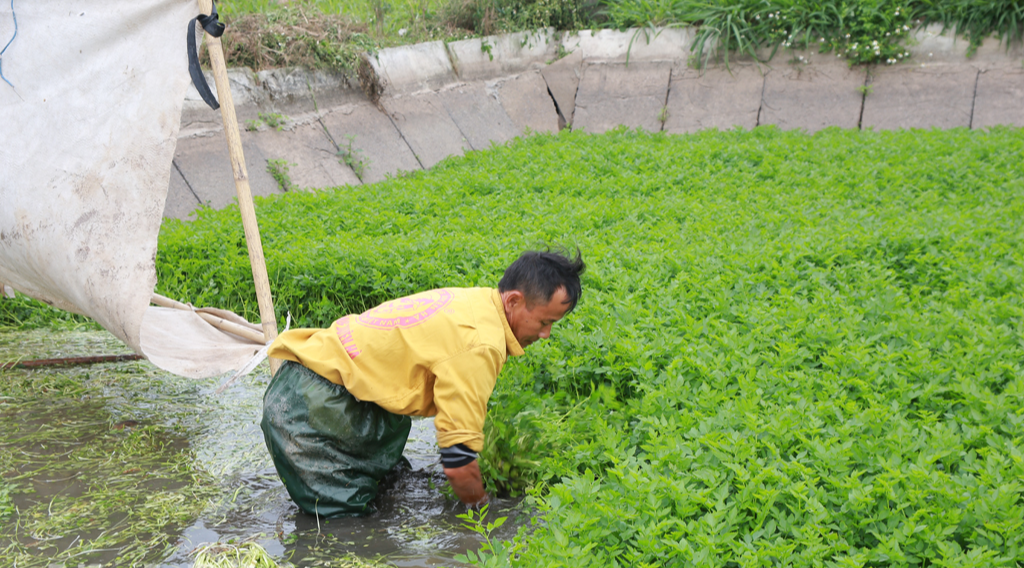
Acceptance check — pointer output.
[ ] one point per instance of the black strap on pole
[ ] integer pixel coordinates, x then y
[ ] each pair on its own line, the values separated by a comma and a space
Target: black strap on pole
213, 27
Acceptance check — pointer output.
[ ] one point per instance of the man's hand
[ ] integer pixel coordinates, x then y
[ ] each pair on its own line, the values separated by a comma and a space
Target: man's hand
468, 484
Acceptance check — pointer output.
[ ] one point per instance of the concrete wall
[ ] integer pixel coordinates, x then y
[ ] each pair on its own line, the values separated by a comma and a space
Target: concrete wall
433, 100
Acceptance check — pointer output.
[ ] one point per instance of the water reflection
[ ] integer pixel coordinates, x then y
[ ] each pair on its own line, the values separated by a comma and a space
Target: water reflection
201, 455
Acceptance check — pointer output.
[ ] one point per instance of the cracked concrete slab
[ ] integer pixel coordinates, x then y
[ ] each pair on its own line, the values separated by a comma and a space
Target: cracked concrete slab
923, 95
526, 101
312, 156
181, 202
998, 97
426, 127
813, 92
377, 144
206, 166
478, 114
614, 94
714, 97
637, 44
295, 90
563, 80
413, 68
246, 95
504, 55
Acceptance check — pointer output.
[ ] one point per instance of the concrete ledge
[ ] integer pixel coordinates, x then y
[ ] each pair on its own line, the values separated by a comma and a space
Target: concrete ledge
245, 93
412, 68
998, 98
432, 135
666, 44
501, 56
562, 78
297, 90
527, 102
206, 169
476, 111
812, 93
616, 94
936, 95
444, 100
377, 145
310, 154
715, 97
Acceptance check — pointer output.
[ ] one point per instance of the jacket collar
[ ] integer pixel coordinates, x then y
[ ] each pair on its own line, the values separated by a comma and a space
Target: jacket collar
511, 343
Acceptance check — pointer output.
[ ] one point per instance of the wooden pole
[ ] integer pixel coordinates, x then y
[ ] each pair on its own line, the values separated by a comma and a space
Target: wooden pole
245, 204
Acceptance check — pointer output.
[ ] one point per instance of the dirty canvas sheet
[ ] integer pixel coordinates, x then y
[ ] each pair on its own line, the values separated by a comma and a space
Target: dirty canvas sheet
88, 126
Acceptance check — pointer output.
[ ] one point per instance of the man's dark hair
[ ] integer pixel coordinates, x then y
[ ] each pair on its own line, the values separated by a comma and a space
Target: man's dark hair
538, 274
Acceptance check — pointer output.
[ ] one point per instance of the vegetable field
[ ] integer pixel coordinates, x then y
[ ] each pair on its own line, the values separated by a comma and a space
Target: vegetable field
792, 349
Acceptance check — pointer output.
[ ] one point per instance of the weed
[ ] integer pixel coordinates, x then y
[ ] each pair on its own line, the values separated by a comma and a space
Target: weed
278, 169
486, 48
271, 119
663, 116
353, 157
865, 89
560, 52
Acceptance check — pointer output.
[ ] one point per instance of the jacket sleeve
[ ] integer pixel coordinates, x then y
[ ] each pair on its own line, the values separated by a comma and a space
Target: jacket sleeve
462, 387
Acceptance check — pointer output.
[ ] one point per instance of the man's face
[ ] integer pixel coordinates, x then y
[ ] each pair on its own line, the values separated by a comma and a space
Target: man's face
532, 322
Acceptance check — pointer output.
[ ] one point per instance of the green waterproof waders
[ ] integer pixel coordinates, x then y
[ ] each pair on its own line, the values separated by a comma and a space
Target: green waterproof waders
329, 448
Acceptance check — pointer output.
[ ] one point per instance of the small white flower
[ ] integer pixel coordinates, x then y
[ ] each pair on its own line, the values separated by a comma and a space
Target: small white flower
886, 34
822, 40
757, 17
847, 36
771, 15
403, 31
929, 54
906, 28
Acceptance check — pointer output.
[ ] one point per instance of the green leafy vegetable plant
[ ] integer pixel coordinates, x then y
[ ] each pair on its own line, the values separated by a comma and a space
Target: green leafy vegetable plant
791, 348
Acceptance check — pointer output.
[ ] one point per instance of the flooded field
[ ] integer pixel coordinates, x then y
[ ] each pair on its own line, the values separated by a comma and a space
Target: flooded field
123, 464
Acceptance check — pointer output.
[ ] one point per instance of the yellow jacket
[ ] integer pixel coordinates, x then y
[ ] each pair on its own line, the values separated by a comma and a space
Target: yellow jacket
436, 353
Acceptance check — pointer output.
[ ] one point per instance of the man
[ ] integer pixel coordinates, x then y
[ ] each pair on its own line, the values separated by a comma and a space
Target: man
336, 414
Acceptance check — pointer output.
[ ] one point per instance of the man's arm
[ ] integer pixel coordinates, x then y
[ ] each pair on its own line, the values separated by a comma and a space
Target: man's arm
463, 385
468, 484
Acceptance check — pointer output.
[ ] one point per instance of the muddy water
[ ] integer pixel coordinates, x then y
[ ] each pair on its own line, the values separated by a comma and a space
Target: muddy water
118, 464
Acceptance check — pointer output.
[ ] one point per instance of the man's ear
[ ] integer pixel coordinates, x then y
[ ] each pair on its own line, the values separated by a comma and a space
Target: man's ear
513, 298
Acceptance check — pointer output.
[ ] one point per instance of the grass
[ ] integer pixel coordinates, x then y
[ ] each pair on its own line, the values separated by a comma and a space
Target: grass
791, 348
80, 483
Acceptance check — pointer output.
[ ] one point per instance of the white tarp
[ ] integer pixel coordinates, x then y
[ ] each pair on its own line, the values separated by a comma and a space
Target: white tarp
87, 136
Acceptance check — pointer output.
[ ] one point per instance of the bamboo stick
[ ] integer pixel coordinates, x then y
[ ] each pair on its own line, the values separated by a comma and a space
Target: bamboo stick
216, 321
245, 204
69, 361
